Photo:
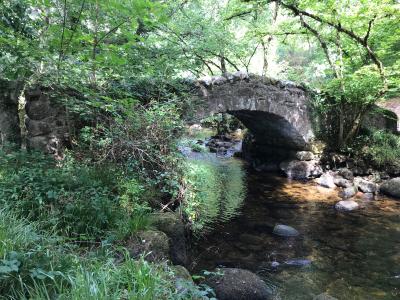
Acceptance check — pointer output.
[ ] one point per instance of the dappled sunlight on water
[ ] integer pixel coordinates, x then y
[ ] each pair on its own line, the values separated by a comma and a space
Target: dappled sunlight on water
353, 255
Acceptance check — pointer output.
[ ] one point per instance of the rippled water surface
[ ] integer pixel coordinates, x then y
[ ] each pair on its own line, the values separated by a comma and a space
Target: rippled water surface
353, 255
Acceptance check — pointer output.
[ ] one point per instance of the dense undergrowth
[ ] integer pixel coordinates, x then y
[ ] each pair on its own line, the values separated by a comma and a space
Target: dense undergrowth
64, 222
380, 147
37, 265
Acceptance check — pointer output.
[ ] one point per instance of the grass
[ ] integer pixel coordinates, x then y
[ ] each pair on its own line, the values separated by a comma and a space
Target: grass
46, 270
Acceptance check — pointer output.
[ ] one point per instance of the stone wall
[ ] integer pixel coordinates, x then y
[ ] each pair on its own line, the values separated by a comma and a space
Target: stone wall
9, 120
381, 118
46, 121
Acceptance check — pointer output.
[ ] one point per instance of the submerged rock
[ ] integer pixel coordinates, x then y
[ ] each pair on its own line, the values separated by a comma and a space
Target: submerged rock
324, 296
238, 284
346, 205
298, 262
391, 187
284, 230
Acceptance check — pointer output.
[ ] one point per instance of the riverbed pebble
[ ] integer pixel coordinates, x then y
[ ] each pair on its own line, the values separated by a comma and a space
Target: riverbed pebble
285, 230
346, 205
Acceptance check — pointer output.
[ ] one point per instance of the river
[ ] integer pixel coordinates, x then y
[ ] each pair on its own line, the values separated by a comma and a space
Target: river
347, 255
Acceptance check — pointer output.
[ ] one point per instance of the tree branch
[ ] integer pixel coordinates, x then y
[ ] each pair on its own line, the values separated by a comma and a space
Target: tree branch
338, 26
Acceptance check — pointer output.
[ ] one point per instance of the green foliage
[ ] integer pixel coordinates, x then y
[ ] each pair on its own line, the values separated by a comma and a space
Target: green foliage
70, 197
361, 87
37, 266
27, 255
380, 147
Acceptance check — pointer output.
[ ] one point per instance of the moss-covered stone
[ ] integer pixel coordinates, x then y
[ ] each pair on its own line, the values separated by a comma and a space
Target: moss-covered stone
154, 245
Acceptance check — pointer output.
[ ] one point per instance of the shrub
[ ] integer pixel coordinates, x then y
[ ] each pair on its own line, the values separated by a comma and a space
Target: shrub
381, 147
73, 198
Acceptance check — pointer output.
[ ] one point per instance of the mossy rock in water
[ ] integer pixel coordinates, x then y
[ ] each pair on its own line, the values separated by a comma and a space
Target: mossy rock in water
151, 243
238, 284
171, 224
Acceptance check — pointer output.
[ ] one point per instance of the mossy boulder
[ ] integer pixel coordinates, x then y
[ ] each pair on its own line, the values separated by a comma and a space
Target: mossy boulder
151, 243
238, 284
171, 224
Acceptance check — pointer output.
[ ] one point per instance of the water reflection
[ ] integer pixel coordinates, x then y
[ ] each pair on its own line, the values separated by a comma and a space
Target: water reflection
220, 185
354, 255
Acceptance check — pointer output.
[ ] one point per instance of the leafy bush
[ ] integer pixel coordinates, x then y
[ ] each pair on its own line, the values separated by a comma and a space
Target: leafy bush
381, 147
26, 255
70, 197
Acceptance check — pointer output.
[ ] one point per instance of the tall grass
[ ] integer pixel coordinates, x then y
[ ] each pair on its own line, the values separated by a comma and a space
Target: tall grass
44, 270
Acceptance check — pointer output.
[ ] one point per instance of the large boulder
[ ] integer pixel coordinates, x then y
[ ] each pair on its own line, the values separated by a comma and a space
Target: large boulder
391, 187
365, 186
297, 169
154, 245
238, 284
171, 224
346, 174
342, 182
327, 180
183, 279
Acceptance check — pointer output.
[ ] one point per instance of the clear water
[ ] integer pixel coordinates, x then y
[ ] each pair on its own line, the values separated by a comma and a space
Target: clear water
354, 255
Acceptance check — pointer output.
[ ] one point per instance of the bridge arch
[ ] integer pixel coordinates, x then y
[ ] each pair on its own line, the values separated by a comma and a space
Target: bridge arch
277, 113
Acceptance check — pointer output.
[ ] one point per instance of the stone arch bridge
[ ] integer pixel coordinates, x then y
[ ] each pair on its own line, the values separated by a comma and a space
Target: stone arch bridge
277, 113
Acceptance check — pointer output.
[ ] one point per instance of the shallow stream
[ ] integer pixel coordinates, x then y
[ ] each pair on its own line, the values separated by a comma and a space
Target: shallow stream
347, 255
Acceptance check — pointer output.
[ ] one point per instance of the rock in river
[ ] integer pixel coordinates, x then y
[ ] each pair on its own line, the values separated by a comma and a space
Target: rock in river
238, 284
348, 192
171, 224
365, 186
296, 169
391, 187
326, 180
284, 230
346, 205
